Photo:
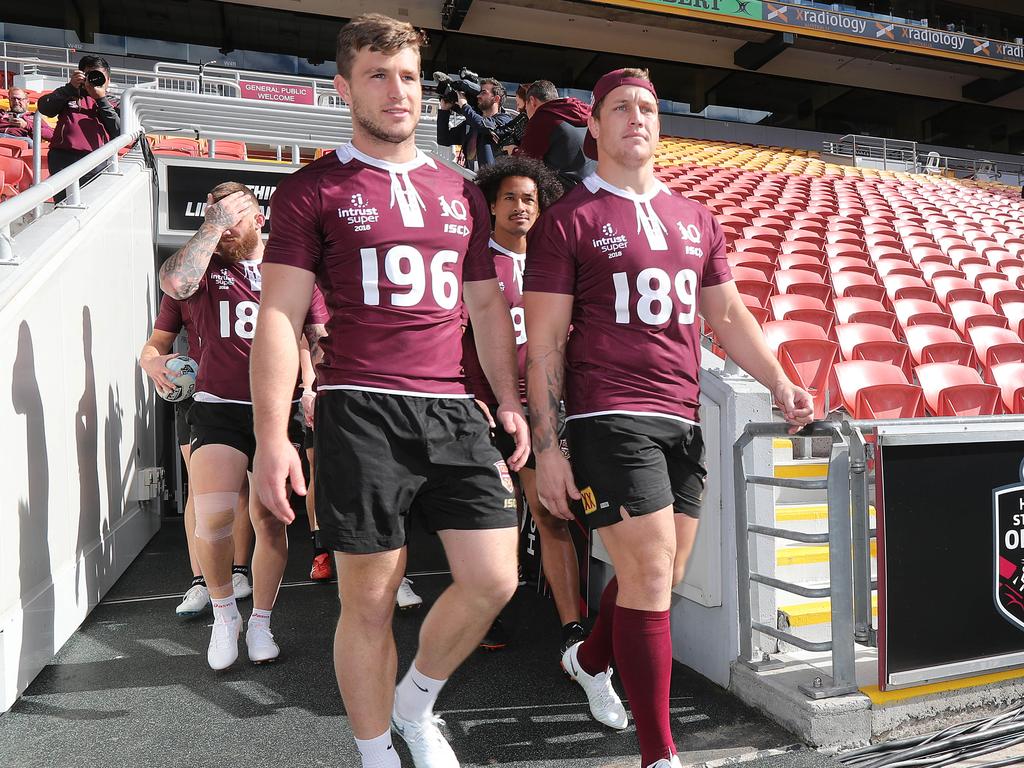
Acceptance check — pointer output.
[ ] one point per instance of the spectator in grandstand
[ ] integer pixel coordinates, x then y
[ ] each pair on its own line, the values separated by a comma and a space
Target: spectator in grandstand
393, 414
174, 316
218, 272
518, 189
16, 121
86, 118
632, 265
555, 133
473, 134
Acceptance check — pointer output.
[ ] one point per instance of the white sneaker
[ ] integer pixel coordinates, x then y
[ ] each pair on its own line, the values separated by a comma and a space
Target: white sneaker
223, 648
240, 584
427, 745
196, 600
259, 641
605, 704
406, 598
663, 763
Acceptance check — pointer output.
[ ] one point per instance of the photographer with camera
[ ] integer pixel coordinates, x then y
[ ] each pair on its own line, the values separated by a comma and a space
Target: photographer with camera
555, 133
86, 119
476, 133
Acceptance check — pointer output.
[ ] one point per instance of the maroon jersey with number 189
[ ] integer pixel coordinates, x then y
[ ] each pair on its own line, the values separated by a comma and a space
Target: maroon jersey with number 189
634, 265
391, 244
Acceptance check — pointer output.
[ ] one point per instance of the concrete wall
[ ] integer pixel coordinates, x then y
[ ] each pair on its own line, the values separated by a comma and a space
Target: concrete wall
75, 415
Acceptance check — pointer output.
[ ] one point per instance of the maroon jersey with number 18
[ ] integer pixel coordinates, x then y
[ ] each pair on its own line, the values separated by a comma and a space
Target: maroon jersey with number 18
225, 309
175, 315
391, 244
634, 265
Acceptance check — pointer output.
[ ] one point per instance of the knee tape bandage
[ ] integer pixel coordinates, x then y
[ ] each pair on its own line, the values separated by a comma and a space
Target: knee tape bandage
215, 514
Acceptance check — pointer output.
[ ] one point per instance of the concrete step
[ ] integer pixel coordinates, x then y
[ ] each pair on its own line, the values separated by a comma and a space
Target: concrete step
806, 564
782, 449
801, 469
807, 518
811, 619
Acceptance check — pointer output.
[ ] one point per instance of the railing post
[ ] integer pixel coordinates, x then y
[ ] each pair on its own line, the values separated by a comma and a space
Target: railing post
861, 521
742, 550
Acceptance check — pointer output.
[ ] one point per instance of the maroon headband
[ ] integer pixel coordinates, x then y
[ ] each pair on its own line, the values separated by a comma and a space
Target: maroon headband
606, 85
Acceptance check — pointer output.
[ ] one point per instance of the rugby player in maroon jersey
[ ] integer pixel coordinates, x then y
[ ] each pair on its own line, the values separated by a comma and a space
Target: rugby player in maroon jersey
218, 272
518, 189
398, 243
156, 352
630, 264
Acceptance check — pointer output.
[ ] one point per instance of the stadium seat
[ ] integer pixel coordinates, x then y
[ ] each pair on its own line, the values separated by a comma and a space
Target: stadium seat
804, 308
857, 309
996, 345
846, 249
870, 389
889, 266
949, 289
760, 313
999, 290
803, 261
17, 176
13, 147
921, 254
753, 282
932, 269
857, 285
864, 341
230, 150
837, 264
907, 287
956, 390
978, 272
807, 357
1009, 377
757, 246
967, 314
933, 344
1013, 311
802, 282
910, 312
798, 246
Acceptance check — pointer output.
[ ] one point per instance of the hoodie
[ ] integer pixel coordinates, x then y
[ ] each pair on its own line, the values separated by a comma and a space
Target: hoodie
537, 137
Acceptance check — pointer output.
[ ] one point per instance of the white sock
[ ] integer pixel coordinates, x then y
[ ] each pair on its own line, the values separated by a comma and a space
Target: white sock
378, 752
224, 609
259, 618
416, 694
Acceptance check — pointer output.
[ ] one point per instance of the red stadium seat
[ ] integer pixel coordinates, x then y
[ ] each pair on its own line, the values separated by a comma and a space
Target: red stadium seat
921, 254
752, 282
956, 390
967, 314
13, 147
804, 308
798, 246
1009, 377
996, 345
870, 389
906, 287
978, 272
932, 269
838, 264
763, 234
1013, 311
864, 341
802, 261
857, 285
999, 290
910, 312
760, 313
757, 246
896, 267
949, 289
933, 344
803, 282
847, 249
857, 309
807, 357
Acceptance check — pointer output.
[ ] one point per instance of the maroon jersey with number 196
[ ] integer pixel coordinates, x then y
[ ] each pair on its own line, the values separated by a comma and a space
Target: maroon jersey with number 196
509, 267
391, 244
634, 265
225, 309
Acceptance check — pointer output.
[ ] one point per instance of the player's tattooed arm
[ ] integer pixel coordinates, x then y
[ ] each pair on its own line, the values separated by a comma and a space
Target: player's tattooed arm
313, 333
181, 274
551, 364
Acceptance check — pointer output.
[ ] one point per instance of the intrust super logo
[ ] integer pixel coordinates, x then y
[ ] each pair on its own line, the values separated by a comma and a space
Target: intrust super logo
359, 214
611, 244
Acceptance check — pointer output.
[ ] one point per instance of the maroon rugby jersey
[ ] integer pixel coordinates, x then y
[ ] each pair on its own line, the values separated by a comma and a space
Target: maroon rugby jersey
225, 309
509, 267
634, 265
175, 315
391, 245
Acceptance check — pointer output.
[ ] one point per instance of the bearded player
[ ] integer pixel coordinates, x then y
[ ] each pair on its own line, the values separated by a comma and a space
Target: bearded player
218, 272
630, 264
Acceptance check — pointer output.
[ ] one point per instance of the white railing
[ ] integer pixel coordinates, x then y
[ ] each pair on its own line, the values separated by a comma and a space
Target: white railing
69, 179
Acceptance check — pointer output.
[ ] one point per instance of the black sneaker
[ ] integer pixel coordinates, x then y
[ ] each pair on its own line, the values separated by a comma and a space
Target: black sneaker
572, 633
497, 636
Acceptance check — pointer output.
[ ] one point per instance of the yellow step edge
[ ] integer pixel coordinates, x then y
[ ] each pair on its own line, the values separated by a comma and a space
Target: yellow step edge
780, 443
806, 555
888, 697
799, 512
810, 469
817, 612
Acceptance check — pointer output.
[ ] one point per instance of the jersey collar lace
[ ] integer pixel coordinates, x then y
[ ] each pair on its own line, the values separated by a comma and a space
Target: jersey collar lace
518, 261
647, 220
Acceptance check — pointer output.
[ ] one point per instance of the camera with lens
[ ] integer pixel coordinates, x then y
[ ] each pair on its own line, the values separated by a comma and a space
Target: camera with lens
468, 83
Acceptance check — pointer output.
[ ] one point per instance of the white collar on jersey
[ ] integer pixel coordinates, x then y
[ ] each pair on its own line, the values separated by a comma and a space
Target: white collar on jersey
506, 251
593, 182
348, 152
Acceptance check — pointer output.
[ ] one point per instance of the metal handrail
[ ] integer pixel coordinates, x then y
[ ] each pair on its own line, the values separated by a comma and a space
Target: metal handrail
839, 538
68, 179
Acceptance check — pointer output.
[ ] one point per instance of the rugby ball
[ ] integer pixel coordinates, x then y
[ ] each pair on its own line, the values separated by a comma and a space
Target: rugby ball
185, 369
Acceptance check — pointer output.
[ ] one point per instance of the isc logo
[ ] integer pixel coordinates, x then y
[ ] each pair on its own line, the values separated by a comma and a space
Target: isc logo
457, 229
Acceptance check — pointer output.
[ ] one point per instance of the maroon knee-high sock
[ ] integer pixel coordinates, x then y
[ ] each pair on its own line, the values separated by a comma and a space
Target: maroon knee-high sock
595, 655
643, 658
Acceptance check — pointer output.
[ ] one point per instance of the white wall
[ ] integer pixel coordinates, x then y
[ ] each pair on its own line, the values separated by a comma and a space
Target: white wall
74, 414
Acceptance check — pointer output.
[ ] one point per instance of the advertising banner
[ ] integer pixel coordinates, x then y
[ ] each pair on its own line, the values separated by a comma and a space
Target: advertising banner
279, 93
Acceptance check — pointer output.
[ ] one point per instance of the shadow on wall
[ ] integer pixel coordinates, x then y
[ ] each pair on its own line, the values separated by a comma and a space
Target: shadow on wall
90, 532
33, 514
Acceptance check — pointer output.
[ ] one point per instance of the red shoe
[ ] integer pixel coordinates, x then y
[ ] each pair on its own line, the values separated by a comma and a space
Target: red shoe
323, 568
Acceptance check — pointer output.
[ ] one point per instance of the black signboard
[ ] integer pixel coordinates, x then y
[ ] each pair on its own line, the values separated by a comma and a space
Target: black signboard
189, 183
950, 553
